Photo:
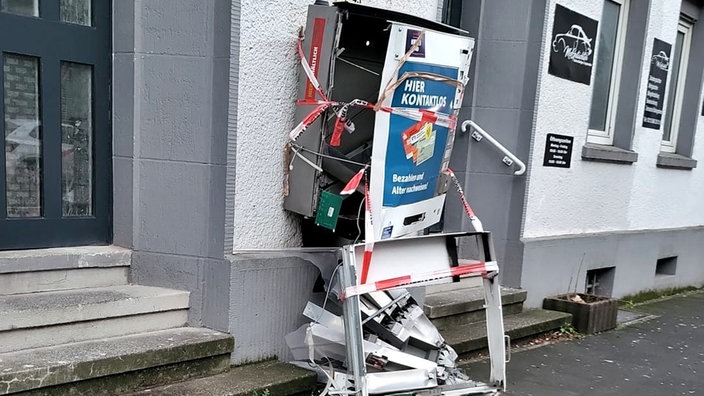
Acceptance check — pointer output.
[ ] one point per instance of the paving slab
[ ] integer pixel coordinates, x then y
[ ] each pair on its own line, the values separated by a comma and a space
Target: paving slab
660, 356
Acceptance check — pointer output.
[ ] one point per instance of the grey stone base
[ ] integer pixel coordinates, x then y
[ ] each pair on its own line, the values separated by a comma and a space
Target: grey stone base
268, 291
559, 265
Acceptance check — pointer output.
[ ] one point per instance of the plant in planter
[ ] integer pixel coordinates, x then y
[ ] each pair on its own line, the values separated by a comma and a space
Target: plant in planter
590, 313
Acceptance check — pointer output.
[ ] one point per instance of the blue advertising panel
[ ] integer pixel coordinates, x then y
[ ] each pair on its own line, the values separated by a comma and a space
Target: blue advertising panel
415, 149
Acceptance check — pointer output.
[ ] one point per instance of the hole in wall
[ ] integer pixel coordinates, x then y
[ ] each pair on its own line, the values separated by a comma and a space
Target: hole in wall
666, 266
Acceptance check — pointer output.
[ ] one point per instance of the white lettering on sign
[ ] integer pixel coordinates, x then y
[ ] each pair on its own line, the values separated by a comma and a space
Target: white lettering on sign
414, 86
414, 95
398, 190
422, 100
407, 178
558, 140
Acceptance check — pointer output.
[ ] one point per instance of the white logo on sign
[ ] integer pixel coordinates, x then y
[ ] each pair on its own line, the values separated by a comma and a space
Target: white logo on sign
661, 61
574, 45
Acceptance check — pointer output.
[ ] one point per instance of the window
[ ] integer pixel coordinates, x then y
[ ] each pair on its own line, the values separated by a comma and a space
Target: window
612, 39
678, 71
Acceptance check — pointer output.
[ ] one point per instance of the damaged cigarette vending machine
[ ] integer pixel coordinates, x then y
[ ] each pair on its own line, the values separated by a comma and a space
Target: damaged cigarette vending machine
379, 95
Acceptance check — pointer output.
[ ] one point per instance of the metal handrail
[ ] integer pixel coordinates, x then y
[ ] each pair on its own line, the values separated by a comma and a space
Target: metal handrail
509, 158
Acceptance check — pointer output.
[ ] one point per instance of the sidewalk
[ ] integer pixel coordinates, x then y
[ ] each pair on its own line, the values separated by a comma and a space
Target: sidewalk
660, 356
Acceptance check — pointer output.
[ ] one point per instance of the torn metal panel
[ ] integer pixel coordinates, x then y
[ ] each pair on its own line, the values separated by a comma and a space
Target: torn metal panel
397, 381
384, 339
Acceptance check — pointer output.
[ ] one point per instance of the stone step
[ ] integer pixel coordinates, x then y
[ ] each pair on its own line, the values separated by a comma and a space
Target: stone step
116, 365
270, 378
36, 270
35, 320
466, 283
472, 336
461, 306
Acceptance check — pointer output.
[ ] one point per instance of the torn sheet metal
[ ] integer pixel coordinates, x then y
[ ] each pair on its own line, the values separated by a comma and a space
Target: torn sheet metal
395, 347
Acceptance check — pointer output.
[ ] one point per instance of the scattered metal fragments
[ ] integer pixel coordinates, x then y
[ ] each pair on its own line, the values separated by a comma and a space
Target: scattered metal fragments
403, 349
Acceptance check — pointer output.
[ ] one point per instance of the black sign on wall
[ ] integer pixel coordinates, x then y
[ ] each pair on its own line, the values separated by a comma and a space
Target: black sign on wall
657, 82
558, 151
573, 44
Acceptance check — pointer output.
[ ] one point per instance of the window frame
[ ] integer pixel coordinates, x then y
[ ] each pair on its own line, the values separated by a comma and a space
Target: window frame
670, 146
606, 137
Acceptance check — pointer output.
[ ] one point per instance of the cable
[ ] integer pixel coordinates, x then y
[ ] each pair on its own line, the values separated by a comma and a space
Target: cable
359, 213
327, 292
299, 147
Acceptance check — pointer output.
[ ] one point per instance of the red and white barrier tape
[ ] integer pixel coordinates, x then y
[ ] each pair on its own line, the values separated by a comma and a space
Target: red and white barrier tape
476, 223
353, 183
307, 120
473, 269
419, 115
368, 234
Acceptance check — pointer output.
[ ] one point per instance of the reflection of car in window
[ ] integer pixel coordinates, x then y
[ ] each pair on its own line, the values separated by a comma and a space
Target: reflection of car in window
661, 60
575, 38
24, 140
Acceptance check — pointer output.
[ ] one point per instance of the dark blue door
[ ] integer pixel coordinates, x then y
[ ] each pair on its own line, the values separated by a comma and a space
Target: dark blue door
55, 166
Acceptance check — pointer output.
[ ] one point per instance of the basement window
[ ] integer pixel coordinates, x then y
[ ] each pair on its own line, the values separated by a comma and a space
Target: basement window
600, 281
666, 266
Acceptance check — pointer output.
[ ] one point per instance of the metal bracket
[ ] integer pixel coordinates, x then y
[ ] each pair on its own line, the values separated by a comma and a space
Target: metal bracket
509, 158
477, 136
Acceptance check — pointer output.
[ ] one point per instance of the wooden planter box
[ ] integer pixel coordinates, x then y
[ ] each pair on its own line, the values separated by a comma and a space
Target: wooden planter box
594, 314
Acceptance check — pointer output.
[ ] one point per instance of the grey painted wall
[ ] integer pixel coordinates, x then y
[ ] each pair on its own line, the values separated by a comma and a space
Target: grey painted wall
170, 106
269, 291
501, 99
559, 264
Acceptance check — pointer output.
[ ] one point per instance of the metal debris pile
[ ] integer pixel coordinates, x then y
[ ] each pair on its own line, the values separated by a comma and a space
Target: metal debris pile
403, 350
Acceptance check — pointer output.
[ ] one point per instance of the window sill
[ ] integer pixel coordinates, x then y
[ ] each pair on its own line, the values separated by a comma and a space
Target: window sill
675, 161
601, 153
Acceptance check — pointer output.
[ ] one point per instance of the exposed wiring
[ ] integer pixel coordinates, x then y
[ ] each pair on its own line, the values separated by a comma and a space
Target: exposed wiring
358, 66
359, 214
301, 148
327, 292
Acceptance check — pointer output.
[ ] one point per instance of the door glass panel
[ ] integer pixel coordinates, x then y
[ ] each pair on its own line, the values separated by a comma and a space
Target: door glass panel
21, 7
672, 89
76, 11
604, 66
23, 138
77, 139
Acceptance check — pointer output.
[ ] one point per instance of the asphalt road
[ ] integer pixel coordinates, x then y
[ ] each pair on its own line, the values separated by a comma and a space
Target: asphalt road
661, 356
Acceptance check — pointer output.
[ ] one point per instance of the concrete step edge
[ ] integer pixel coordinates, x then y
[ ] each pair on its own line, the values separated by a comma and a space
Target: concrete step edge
472, 337
271, 378
64, 258
40, 337
20, 311
460, 301
465, 318
68, 279
43, 367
